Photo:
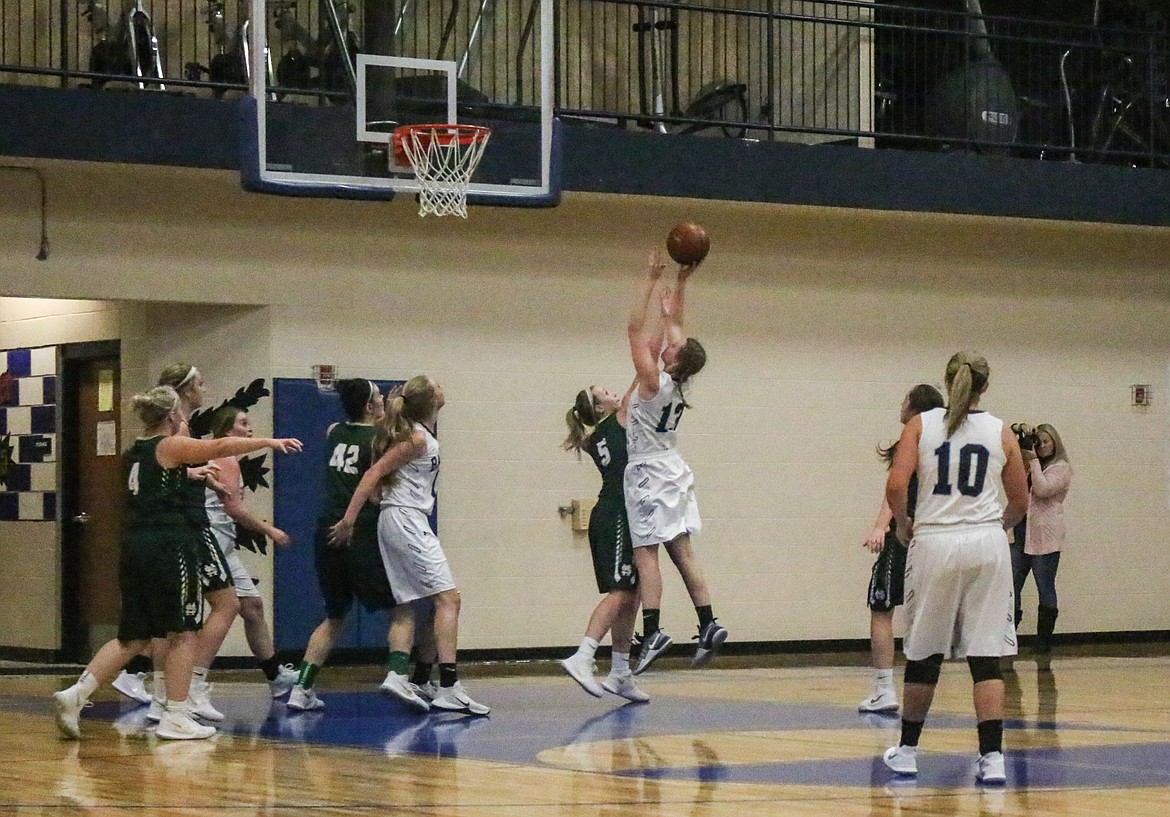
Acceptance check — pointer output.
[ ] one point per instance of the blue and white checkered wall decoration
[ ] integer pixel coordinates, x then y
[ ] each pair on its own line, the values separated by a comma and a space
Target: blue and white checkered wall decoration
28, 434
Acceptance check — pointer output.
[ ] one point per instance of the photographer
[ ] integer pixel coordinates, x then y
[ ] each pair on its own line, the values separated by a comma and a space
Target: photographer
1040, 538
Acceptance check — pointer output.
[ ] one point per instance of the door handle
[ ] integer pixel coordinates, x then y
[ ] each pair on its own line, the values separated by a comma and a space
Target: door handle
81, 518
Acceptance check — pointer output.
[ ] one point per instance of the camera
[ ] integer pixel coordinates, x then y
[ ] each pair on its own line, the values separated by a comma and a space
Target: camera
1025, 436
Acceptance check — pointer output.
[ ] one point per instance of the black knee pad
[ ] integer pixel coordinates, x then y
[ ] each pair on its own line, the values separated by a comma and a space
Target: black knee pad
985, 668
925, 671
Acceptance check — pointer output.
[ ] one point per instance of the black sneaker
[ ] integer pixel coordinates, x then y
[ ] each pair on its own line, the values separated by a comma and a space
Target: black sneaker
636, 647
653, 646
710, 639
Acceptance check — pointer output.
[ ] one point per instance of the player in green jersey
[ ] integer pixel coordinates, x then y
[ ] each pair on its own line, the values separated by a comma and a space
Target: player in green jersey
597, 426
158, 565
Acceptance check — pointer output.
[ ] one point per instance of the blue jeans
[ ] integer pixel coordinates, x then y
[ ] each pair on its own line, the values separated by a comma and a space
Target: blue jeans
1043, 568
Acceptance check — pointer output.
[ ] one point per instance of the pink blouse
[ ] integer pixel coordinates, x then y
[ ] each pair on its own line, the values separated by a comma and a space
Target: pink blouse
1046, 530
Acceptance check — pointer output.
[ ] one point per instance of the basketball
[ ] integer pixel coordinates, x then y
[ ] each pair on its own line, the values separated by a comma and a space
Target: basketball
688, 243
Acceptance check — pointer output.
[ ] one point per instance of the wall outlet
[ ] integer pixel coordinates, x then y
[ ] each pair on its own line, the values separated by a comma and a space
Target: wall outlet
581, 510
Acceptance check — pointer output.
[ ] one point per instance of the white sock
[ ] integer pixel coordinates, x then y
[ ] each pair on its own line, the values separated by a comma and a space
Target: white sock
199, 674
883, 679
620, 664
86, 684
588, 648
159, 687
175, 706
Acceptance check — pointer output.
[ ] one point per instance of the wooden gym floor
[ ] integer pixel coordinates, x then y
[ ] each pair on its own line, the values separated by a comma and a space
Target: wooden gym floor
1087, 735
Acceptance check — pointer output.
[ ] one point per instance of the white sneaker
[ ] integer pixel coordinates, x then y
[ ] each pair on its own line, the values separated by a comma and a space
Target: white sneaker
401, 688
427, 691
455, 699
990, 768
68, 715
177, 724
885, 700
581, 669
625, 686
200, 697
157, 710
303, 700
133, 686
286, 678
902, 759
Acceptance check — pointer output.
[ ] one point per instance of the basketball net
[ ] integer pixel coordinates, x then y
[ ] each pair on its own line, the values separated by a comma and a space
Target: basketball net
443, 158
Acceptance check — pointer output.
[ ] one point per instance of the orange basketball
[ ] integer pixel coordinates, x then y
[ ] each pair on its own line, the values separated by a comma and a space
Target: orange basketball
688, 243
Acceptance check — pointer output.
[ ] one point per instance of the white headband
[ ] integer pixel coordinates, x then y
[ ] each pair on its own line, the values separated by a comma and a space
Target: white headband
190, 376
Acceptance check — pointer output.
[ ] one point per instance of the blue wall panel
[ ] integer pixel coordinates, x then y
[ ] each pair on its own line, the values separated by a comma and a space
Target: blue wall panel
301, 410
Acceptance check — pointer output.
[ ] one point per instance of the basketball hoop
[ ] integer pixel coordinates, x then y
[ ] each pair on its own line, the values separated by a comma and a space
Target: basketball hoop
443, 158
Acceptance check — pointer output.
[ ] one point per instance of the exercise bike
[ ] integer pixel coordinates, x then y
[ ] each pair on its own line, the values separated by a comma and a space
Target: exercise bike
719, 101
333, 56
233, 64
129, 49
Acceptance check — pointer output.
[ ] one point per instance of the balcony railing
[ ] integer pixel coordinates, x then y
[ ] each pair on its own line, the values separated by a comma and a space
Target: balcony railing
873, 74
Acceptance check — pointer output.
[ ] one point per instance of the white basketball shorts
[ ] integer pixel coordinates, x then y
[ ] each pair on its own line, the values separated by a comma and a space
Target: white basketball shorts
241, 576
959, 595
660, 500
415, 563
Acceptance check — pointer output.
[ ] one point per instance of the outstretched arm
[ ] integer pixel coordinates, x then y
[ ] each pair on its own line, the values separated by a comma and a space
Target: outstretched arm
673, 304
643, 349
176, 450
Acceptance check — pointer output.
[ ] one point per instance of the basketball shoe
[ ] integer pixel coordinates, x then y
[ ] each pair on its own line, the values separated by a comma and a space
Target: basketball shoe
624, 686
133, 686
581, 670
902, 759
304, 700
653, 646
177, 724
68, 704
401, 688
990, 769
286, 678
455, 699
200, 697
710, 639
882, 700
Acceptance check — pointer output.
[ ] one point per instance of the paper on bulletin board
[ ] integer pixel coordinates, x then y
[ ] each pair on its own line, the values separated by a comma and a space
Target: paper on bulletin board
107, 438
105, 390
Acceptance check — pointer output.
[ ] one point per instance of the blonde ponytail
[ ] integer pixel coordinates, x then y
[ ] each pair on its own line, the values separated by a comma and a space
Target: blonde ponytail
415, 404
966, 379
580, 419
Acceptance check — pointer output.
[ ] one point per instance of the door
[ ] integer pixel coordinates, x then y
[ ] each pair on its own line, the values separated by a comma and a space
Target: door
92, 502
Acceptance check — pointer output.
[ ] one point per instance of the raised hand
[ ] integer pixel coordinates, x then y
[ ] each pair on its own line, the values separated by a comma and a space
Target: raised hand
655, 266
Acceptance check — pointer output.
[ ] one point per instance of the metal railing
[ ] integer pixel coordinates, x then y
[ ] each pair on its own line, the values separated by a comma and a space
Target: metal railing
870, 73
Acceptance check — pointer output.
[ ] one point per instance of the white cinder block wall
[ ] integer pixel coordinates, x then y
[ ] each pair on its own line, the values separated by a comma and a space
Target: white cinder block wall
815, 321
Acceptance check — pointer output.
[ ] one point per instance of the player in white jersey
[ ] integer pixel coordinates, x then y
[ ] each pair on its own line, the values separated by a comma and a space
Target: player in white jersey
959, 596
406, 470
226, 511
659, 485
